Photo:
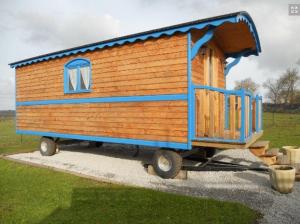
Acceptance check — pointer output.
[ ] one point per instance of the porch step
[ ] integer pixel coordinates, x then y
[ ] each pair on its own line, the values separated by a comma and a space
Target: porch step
259, 148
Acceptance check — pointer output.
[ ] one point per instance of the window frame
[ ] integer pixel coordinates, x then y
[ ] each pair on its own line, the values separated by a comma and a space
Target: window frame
77, 63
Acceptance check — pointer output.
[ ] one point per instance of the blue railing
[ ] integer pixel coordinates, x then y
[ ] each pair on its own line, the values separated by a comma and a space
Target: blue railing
244, 105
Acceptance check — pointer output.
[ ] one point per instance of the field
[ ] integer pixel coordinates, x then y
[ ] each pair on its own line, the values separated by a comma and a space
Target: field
285, 130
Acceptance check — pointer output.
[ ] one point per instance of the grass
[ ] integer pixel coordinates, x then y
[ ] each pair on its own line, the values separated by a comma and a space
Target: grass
285, 130
37, 195
10, 142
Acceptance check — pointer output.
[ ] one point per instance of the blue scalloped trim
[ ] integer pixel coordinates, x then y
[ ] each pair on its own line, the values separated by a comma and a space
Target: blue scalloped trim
234, 19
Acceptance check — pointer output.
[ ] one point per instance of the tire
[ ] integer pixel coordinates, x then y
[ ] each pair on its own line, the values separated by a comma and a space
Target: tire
210, 152
95, 144
47, 146
203, 153
166, 163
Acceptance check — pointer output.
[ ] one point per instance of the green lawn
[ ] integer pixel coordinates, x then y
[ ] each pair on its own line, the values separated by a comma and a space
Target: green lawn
37, 195
10, 142
285, 131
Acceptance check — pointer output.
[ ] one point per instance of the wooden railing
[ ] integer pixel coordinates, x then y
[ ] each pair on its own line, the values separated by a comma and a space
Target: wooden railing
226, 115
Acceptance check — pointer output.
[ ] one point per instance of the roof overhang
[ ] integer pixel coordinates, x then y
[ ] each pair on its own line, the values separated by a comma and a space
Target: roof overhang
213, 22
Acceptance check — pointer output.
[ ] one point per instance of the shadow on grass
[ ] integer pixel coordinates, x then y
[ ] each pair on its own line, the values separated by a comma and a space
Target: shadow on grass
125, 205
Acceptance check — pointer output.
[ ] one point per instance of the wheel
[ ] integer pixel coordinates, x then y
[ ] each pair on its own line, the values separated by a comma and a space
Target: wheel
47, 146
167, 163
210, 152
203, 153
95, 144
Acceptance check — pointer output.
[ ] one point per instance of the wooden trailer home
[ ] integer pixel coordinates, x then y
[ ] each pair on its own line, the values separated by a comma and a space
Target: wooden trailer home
163, 88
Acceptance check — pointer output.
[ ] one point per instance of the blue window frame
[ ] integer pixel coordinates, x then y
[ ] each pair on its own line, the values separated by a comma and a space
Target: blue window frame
77, 76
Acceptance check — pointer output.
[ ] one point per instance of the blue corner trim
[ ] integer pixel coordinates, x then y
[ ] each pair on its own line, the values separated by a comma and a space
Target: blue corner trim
204, 39
173, 145
191, 102
77, 63
184, 28
106, 100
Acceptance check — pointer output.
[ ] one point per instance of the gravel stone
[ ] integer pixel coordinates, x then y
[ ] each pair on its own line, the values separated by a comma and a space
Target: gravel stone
122, 164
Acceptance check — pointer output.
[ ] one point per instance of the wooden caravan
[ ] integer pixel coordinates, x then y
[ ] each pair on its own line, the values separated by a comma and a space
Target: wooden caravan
162, 88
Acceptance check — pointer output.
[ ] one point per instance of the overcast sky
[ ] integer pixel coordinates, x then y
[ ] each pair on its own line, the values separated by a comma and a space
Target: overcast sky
30, 27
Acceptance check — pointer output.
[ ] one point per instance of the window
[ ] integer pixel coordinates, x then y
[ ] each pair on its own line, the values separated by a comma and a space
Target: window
77, 76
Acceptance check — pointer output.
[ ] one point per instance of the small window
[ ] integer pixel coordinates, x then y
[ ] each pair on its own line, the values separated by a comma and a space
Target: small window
77, 76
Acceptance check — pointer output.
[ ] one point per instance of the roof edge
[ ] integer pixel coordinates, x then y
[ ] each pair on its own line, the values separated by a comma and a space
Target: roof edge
156, 33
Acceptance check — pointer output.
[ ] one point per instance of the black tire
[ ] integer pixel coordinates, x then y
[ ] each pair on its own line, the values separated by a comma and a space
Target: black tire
47, 146
95, 144
173, 161
210, 152
203, 153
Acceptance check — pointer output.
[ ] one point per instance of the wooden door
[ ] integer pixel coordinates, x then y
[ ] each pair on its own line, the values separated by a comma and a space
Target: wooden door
210, 68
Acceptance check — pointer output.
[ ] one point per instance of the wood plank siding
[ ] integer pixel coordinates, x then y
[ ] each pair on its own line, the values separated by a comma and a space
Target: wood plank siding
151, 67
161, 121
155, 66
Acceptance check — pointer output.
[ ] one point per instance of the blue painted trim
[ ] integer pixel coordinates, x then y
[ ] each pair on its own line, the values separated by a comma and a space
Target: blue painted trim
242, 131
220, 140
77, 63
191, 112
241, 17
204, 39
231, 64
225, 91
107, 100
173, 145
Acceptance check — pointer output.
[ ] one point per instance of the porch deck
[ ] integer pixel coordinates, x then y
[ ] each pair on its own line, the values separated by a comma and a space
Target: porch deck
229, 145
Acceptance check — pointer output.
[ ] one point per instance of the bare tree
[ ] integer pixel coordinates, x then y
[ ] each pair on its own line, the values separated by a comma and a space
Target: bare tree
247, 84
290, 79
274, 94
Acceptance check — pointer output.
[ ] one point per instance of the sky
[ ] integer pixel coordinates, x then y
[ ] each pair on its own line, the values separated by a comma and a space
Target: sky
30, 27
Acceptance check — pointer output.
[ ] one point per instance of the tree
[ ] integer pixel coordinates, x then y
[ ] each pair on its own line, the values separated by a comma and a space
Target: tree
247, 84
274, 92
290, 79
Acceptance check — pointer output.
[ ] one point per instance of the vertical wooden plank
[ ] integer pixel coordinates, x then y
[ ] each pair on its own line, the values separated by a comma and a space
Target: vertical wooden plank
222, 114
206, 112
253, 115
201, 113
247, 115
216, 114
232, 117
239, 108
211, 114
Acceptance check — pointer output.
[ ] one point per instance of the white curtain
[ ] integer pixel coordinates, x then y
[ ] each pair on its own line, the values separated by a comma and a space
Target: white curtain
73, 77
85, 75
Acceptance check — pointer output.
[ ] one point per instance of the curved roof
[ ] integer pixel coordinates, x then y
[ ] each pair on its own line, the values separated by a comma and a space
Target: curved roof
156, 33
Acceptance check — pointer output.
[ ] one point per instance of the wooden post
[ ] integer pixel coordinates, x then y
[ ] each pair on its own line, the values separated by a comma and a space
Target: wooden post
232, 117
222, 115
